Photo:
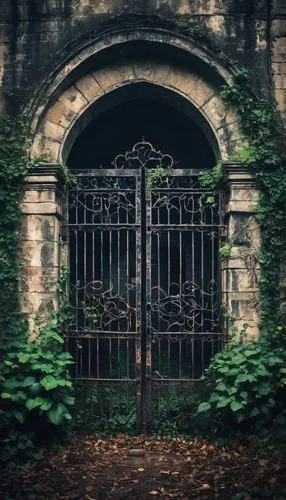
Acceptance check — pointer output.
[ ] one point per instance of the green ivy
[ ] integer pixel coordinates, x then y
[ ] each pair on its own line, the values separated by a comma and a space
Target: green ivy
211, 179
265, 155
248, 384
14, 166
263, 150
35, 386
155, 176
36, 391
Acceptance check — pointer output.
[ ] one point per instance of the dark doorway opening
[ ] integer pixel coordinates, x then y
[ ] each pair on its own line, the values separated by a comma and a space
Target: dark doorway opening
143, 257
122, 126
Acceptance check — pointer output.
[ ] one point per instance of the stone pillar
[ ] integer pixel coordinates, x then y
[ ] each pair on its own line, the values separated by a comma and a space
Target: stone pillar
240, 269
41, 243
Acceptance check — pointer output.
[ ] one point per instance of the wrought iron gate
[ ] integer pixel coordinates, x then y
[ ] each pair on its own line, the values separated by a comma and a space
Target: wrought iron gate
143, 240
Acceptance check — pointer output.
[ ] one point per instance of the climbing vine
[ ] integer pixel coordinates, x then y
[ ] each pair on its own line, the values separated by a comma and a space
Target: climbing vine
35, 387
263, 150
14, 166
265, 155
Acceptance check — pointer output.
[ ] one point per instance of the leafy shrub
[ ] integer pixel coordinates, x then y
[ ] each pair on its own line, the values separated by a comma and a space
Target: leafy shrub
101, 408
248, 384
174, 413
35, 391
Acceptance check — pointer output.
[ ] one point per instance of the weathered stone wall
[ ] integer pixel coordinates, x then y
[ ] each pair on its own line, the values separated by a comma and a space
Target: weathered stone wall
35, 36
278, 54
41, 248
52, 53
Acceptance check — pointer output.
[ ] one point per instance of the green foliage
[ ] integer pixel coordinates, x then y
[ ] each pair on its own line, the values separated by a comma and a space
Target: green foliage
174, 413
35, 390
14, 166
34, 384
248, 384
155, 176
225, 251
265, 154
211, 179
100, 408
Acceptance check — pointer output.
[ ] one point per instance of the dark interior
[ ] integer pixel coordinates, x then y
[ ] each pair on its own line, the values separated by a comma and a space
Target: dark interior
119, 128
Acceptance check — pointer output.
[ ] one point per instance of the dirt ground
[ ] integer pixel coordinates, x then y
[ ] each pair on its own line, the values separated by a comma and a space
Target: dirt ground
95, 468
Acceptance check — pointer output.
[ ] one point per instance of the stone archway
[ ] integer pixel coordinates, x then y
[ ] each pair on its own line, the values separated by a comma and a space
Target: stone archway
74, 108
81, 89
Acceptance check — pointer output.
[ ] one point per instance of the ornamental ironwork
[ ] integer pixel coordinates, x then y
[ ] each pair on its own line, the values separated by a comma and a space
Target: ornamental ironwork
145, 278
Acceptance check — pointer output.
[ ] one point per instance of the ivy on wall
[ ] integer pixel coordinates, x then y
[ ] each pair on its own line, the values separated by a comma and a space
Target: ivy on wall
32, 387
265, 155
35, 387
263, 150
14, 166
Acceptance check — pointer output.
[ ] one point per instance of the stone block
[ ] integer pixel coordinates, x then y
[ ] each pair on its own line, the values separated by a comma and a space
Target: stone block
161, 73
280, 81
31, 301
46, 208
38, 279
276, 68
202, 92
42, 305
182, 79
217, 23
243, 192
73, 99
61, 114
217, 113
39, 253
144, 69
112, 76
228, 133
230, 140
54, 130
243, 230
39, 196
40, 228
278, 27
47, 147
247, 259
241, 280
246, 313
89, 87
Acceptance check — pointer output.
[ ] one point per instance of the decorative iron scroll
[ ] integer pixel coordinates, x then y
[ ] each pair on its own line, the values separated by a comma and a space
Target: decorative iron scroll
186, 310
104, 309
144, 268
143, 154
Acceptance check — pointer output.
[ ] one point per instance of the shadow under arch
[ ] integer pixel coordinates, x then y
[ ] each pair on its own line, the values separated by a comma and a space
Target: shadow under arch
125, 115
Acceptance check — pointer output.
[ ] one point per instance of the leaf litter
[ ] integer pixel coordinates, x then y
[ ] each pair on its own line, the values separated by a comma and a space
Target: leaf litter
97, 468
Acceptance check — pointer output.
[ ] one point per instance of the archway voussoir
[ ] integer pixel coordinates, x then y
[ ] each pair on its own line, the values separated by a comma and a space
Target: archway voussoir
202, 92
229, 137
61, 115
89, 87
108, 77
161, 73
73, 99
217, 113
182, 80
53, 130
144, 69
